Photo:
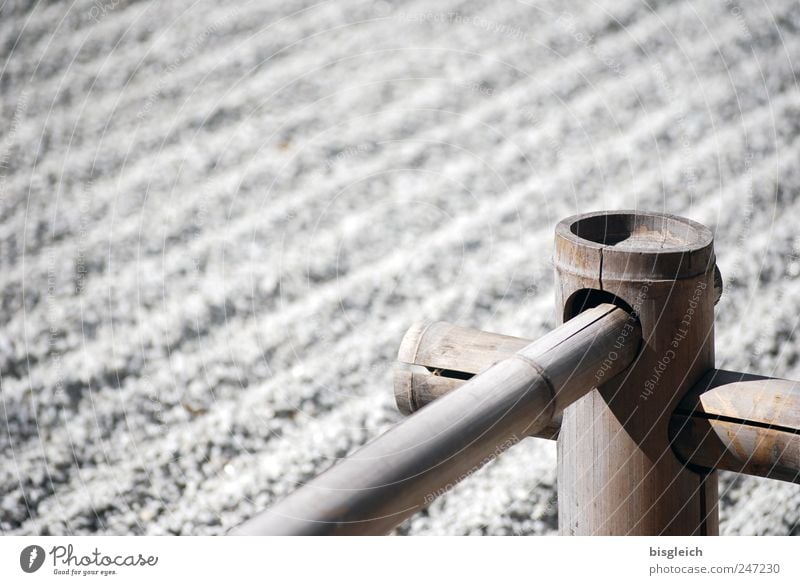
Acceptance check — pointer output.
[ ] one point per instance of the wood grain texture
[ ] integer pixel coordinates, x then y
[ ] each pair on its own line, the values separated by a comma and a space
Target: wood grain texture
444, 345
746, 397
617, 473
740, 422
415, 389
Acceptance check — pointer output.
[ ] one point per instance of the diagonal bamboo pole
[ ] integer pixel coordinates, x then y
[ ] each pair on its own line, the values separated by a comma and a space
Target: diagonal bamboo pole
403, 470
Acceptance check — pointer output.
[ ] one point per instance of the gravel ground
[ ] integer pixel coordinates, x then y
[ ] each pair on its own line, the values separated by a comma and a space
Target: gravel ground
217, 219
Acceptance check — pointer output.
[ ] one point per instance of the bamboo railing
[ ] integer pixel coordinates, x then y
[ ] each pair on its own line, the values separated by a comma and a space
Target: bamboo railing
626, 385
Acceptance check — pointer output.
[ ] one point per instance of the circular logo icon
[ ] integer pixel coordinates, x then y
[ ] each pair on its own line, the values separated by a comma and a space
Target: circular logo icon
31, 558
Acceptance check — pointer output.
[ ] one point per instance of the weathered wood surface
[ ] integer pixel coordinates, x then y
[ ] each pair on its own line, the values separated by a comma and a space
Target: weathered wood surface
727, 421
617, 473
414, 389
740, 422
452, 352
461, 349
402, 471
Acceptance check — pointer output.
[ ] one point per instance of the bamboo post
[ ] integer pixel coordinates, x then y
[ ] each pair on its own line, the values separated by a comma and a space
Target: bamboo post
617, 474
403, 470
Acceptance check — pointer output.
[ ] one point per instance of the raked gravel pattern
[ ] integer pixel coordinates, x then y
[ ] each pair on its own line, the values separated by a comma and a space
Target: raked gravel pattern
217, 219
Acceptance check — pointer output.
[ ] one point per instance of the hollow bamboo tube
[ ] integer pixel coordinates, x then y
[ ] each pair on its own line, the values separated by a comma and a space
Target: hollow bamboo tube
403, 470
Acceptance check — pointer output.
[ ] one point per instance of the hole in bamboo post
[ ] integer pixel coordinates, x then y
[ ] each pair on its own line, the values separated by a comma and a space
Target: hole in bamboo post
588, 298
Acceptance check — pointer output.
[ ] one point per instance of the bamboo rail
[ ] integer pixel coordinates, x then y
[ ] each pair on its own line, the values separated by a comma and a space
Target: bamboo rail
405, 469
727, 421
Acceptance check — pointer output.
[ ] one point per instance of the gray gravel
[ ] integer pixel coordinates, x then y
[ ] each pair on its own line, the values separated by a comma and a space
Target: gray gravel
217, 219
